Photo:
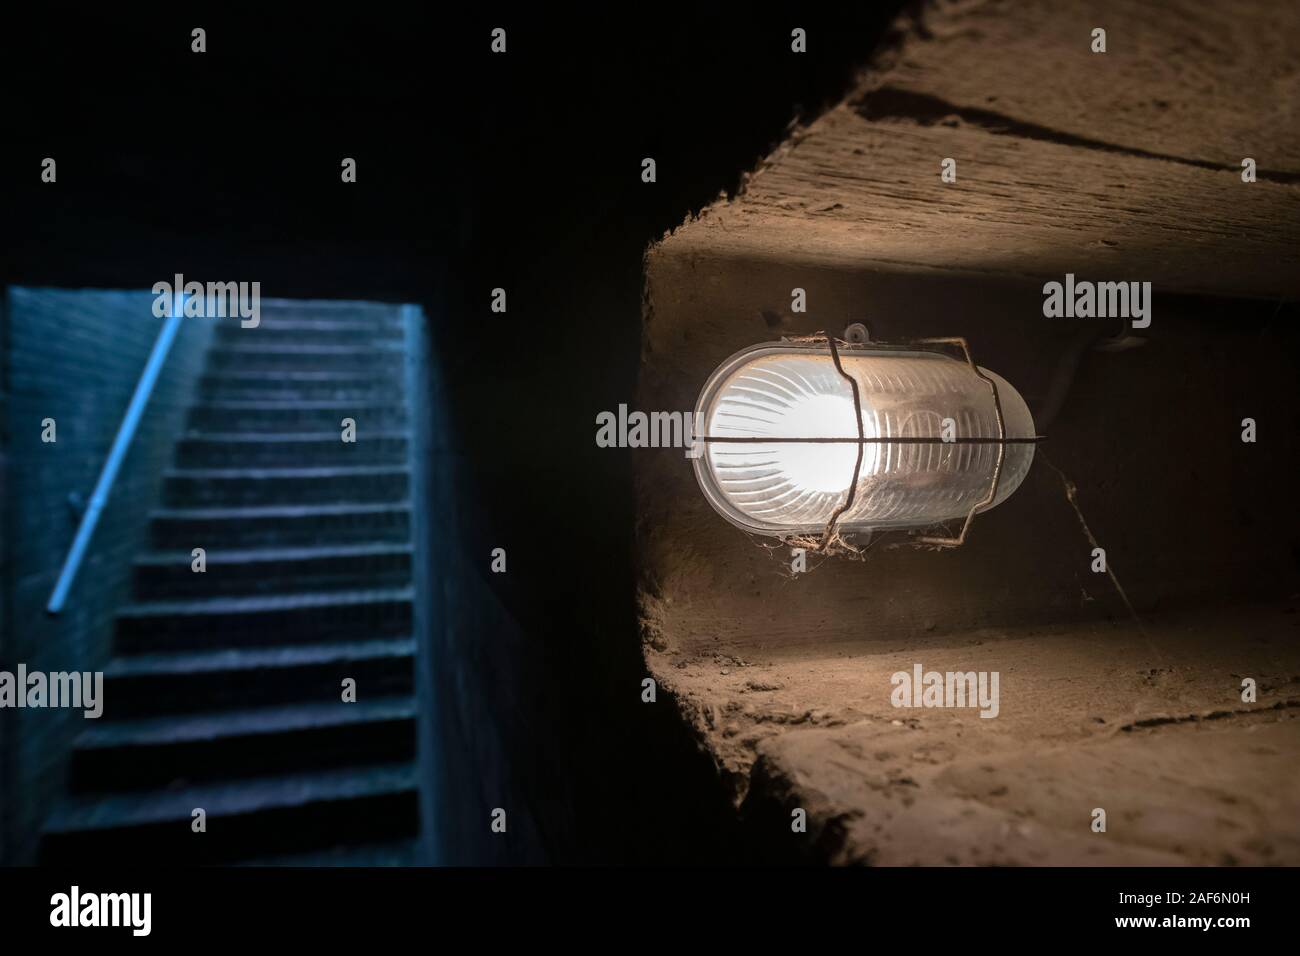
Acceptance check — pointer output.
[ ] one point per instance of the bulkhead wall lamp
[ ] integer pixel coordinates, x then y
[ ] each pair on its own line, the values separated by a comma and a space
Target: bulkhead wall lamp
819, 441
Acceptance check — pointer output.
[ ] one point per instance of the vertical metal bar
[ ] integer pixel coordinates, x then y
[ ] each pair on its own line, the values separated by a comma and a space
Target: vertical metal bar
829, 533
958, 541
117, 454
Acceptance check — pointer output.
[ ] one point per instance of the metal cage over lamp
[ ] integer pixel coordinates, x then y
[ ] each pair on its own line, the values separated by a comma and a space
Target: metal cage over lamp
819, 436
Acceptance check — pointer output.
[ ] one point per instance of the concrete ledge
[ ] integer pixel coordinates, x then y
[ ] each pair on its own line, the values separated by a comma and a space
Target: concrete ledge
1149, 726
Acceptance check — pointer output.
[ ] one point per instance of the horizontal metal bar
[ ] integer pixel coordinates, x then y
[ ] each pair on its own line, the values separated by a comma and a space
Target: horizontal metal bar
878, 441
116, 455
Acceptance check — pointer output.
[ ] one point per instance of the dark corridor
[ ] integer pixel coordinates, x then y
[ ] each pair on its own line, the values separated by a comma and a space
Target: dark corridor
473, 174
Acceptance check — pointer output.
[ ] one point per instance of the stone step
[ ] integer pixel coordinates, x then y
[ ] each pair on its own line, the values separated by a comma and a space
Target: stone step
184, 681
216, 487
179, 749
294, 416
240, 385
405, 853
286, 525
310, 617
311, 331
247, 817
236, 449
336, 358
276, 311
268, 570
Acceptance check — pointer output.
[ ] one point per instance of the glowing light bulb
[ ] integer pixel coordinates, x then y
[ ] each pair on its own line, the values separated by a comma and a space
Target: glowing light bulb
759, 407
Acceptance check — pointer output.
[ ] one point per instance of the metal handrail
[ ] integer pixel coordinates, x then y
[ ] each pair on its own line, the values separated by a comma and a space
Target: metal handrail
116, 455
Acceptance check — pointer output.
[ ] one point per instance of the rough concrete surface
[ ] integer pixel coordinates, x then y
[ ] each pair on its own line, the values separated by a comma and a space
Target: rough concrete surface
1144, 721
1121, 164
1117, 166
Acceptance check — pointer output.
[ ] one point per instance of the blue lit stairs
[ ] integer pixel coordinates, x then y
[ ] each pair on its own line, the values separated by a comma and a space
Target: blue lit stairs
224, 691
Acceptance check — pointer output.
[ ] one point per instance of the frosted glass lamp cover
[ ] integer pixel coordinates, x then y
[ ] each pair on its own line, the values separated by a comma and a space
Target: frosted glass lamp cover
780, 390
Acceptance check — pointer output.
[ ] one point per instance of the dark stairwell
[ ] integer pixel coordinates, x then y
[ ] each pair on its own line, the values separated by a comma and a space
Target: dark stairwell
225, 688
536, 673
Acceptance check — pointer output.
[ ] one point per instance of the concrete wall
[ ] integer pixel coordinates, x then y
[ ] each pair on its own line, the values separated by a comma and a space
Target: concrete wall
74, 356
482, 740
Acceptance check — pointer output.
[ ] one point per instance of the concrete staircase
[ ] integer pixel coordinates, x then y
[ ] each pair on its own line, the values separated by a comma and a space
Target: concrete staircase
225, 689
